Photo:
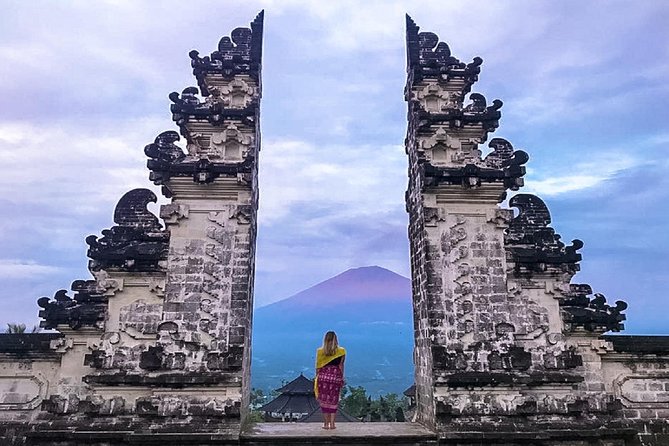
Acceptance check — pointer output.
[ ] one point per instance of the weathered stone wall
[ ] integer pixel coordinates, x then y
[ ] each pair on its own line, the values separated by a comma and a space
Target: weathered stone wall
636, 371
29, 369
423, 284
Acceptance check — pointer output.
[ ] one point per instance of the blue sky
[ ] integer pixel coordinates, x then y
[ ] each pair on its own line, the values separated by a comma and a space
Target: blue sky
84, 87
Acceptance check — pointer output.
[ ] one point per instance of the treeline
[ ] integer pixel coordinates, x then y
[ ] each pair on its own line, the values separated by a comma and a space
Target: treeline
357, 403
354, 400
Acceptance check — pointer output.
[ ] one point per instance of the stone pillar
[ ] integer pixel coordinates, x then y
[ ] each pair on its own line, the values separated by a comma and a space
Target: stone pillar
208, 306
489, 289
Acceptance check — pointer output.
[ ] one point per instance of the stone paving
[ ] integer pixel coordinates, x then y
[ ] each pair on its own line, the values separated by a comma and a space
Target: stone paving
400, 432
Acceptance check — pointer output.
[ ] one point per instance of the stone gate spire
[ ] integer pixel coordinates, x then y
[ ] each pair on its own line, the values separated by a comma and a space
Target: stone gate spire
207, 311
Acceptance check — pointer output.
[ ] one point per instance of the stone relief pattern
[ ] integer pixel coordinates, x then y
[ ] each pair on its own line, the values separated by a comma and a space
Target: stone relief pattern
86, 308
102, 413
233, 143
643, 388
187, 108
140, 319
533, 244
476, 331
136, 244
167, 160
592, 314
429, 58
448, 140
537, 259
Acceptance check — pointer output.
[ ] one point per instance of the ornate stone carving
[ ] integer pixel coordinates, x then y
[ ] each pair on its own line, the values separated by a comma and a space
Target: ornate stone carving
236, 94
533, 245
240, 53
427, 57
188, 106
502, 165
137, 243
140, 319
87, 308
591, 314
173, 213
167, 160
22, 392
435, 99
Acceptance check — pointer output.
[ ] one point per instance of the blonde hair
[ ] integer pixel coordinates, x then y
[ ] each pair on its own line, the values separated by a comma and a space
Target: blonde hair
330, 343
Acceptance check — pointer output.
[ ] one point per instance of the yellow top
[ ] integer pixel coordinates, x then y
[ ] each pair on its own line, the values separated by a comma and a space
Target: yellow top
322, 359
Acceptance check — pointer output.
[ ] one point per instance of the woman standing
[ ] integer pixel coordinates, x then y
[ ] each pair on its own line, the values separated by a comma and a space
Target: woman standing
329, 377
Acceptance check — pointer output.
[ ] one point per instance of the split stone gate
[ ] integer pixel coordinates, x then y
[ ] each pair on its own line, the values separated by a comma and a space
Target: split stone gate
156, 347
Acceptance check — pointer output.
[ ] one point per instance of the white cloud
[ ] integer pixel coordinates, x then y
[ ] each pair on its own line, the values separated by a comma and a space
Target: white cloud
80, 167
584, 174
25, 269
347, 180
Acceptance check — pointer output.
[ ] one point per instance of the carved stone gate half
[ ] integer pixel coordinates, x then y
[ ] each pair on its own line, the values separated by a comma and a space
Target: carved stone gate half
507, 349
159, 342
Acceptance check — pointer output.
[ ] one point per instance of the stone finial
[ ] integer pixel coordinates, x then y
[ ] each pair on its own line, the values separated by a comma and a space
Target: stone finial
131, 210
532, 243
591, 313
86, 308
241, 53
427, 57
167, 160
137, 243
503, 164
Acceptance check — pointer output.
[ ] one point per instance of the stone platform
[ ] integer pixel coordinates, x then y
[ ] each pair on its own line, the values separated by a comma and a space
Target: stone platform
350, 434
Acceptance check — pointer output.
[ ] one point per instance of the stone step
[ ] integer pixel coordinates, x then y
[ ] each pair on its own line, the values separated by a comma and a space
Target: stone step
348, 434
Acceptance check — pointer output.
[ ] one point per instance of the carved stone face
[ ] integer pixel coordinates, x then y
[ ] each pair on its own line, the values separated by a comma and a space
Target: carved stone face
435, 99
236, 94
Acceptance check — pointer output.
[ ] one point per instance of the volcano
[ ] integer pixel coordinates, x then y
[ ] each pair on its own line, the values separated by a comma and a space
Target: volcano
370, 310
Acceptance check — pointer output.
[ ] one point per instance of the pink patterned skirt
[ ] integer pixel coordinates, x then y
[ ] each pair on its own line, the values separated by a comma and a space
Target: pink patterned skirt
330, 382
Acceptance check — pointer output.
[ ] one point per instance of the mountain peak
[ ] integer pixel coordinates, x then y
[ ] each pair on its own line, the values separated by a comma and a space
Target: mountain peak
355, 285
369, 272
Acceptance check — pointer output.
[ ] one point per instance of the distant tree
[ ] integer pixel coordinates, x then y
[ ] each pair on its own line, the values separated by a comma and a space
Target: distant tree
355, 401
388, 407
257, 397
392, 403
368, 407
383, 410
255, 417
20, 328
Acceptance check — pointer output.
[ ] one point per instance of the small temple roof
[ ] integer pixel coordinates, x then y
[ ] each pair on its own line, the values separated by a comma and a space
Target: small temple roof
300, 385
411, 391
291, 404
296, 397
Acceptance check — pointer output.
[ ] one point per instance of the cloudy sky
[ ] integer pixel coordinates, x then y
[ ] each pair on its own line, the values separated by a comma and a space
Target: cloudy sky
84, 85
